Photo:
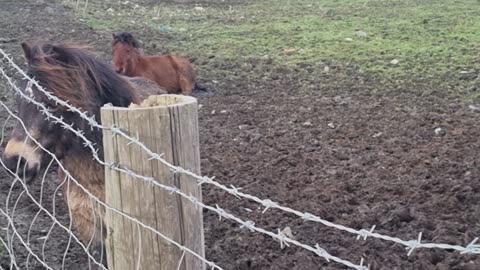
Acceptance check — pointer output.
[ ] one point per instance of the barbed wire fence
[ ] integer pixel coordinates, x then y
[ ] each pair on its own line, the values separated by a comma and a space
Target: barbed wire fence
14, 237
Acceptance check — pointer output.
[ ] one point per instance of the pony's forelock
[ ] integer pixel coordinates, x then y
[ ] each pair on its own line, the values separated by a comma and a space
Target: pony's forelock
127, 38
71, 72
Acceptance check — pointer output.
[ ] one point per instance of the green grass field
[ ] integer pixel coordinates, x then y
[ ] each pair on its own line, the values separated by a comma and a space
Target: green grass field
427, 39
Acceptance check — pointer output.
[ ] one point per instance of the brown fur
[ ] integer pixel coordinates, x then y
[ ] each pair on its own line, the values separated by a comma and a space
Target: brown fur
73, 74
88, 215
172, 72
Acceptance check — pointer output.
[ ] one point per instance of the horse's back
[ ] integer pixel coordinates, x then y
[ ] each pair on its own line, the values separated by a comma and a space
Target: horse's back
184, 67
145, 87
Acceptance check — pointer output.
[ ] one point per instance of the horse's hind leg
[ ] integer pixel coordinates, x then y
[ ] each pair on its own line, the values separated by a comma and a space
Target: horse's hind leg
186, 85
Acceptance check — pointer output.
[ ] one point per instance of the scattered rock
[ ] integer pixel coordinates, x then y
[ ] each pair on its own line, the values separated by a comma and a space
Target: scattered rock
49, 10
440, 131
7, 40
223, 111
361, 34
331, 172
199, 8
394, 61
331, 125
405, 214
213, 112
165, 28
474, 108
307, 124
376, 135
289, 51
341, 100
348, 39
326, 69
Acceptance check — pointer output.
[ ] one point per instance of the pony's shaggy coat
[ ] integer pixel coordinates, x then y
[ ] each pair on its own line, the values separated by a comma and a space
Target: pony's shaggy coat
71, 73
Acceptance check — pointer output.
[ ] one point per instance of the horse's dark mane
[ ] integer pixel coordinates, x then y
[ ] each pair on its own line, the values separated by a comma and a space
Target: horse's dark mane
125, 37
72, 73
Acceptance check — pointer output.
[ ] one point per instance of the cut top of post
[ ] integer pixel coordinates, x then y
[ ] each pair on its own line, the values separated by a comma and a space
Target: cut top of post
158, 101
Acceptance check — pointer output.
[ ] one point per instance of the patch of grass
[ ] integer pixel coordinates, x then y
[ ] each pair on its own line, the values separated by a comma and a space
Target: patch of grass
99, 24
429, 38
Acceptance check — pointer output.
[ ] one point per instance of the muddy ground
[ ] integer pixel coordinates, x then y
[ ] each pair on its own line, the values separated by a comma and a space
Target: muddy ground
352, 148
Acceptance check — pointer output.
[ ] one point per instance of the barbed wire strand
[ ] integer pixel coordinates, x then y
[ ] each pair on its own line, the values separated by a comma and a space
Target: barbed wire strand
70, 177
317, 250
471, 248
221, 212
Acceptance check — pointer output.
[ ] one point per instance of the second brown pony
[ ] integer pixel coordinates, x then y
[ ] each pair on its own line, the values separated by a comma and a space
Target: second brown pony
172, 72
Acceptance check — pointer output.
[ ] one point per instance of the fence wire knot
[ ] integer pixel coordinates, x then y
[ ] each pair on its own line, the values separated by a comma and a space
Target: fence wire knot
155, 156
220, 212
205, 179
308, 216
414, 244
268, 203
364, 233
115, 130
321, 252
135, 140
281, 238
234, 191
472, 247
249, 225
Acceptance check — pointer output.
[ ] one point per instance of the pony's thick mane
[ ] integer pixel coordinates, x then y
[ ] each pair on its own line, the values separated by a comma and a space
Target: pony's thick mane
72, 73
125, 37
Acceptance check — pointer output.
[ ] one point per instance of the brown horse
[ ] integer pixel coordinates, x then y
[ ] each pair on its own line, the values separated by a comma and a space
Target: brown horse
172, 72
71, 73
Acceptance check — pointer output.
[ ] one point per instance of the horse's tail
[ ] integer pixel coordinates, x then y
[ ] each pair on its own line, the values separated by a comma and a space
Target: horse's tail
200, 87
174, 63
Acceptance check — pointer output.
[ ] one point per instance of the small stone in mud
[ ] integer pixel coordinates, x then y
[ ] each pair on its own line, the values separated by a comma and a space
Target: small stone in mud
307, 124
405, 214
331, 125
440, 131
361, 34
289, 51
213, 112
49, 10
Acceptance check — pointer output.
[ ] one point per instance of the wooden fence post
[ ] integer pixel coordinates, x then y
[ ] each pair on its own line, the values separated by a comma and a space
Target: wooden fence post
168, 125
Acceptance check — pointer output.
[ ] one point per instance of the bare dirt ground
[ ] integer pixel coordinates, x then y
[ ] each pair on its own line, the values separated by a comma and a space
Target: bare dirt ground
352, 148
